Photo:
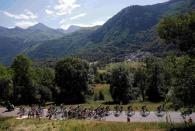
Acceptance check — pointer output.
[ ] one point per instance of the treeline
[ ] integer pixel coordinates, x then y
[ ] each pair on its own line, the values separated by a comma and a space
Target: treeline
24, 84
170, 80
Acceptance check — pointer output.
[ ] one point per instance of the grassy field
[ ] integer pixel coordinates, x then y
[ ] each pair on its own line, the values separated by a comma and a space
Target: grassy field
105, 89
11, 124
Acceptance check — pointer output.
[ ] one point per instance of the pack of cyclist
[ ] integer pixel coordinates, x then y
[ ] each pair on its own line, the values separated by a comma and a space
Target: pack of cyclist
9, 106
144, 111
160, 111
130, 111
79, 112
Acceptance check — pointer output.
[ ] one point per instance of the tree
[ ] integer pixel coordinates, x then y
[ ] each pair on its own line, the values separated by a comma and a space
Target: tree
6, 84
72, 78
22, 80
121, 84
22, 71
154, 80
140, 80
42, 94
184, 86
179, 30
44, 76
169, 67
101, 96
95, 97
44, 83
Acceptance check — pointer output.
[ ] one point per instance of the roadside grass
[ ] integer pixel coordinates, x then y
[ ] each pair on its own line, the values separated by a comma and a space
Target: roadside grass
136, 105
12, 124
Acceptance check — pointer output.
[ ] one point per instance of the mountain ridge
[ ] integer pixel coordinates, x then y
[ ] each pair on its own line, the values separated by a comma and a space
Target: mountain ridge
131, 30
14, 41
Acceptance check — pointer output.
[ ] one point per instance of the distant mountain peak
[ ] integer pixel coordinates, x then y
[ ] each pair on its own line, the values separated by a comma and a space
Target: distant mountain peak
39, 26
73, 28
61, 30
18, 28
1, 27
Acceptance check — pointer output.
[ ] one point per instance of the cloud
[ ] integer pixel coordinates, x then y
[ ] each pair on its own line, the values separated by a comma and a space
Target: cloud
99, 22
25, 24
30, 14
27, 15
62, 21
49, 12
78, 16
108, 17
63, 7
65, 26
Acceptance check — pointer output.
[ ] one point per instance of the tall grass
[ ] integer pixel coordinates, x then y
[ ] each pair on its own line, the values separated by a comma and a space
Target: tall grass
7, 124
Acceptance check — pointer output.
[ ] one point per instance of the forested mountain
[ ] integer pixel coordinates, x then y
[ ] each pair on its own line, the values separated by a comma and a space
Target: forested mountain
134, 19
130, 31
16, 40
68, 45
9, 48
134, 29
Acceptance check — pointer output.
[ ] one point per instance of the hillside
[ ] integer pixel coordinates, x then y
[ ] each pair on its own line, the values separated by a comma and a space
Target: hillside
68, 45
17, 40
125, 25
10, 47
131, 30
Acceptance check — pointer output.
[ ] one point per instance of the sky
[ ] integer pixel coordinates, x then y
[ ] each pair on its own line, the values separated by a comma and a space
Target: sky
62, 13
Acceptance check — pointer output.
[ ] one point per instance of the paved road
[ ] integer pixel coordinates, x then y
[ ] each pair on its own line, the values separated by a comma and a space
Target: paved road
174, 117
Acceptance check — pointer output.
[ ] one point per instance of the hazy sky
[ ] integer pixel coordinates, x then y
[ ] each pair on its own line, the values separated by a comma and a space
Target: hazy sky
62, 13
